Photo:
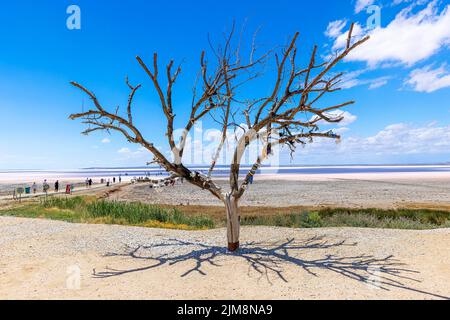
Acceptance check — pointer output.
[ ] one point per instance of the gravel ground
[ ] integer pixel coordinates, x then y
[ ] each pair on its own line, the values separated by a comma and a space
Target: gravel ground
349, 193
42, 259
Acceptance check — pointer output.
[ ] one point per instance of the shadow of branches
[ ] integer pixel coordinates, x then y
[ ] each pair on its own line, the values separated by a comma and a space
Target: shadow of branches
270, 258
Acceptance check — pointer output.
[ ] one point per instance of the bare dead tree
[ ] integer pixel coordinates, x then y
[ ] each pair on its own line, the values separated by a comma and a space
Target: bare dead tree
289, 116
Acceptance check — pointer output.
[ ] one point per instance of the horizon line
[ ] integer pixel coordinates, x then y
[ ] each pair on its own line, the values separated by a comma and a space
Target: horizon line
226, 166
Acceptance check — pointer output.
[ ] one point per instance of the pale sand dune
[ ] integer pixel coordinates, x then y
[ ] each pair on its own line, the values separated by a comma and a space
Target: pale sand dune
39, 259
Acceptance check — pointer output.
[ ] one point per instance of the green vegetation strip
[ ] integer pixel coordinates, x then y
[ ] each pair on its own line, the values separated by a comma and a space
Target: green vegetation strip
90, 210
362, 218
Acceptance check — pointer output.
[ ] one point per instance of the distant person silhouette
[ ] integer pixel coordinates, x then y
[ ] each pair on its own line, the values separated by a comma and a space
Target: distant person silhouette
34, 187
45, 186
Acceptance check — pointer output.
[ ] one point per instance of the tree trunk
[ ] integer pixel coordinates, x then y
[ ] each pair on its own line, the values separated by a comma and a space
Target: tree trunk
233, 222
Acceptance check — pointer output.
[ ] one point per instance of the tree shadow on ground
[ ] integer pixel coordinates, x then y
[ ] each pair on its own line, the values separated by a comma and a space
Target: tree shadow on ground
270, 258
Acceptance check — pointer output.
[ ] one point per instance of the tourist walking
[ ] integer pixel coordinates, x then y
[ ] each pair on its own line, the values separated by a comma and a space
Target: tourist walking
45, 186
34, 187
56, 186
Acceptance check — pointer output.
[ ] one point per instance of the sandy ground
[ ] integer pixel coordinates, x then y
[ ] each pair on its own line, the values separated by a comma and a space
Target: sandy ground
42, 259
381, 190
97, 189
362, 190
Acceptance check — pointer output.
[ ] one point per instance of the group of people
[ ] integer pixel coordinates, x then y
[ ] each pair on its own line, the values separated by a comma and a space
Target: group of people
108, 181
17, 192
46, 187
33, 189
89, 182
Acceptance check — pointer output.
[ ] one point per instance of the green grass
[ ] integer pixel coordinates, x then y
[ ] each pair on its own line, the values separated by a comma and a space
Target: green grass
361, 218
138, 213
89, 210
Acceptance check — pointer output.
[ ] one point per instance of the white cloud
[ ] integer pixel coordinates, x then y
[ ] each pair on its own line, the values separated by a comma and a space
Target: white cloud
348, 118
408, 39
334, 28
341, 130
124, 151
416, 2
429, 80
362, 4
141, 154
408, 139
106, 140
395, 139
352, 79
341, 39
378, 83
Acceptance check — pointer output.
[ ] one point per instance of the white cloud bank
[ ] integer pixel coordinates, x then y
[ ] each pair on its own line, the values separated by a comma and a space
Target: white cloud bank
409, 38
397, 139
397, 142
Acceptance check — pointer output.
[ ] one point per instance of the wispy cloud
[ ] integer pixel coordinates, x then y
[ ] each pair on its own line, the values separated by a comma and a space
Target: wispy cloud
334, 28
354, 79
124, 151
139, 154
378, 83
429, 80
106, 140
362, 4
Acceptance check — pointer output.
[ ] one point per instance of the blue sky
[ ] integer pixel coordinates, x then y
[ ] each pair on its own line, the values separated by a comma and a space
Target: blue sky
400, 80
